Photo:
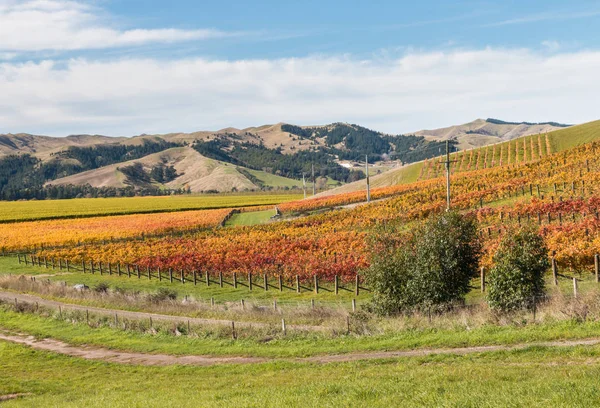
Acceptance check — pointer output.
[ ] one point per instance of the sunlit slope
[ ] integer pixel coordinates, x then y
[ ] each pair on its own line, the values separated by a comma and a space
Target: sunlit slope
570, 137
195, 171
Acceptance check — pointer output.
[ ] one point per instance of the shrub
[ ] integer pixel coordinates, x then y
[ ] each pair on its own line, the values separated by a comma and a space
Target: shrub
102, 287
516, 280
431, 268
162, 294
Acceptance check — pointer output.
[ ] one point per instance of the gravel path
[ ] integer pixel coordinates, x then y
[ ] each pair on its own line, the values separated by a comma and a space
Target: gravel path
147, 359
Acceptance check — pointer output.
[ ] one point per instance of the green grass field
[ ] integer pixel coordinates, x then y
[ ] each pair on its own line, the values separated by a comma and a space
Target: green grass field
537, 377
568, 138
273, 180
270, 343
250, 218
87, 207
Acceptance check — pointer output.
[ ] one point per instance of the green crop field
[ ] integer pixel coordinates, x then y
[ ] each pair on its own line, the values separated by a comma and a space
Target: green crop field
87, 207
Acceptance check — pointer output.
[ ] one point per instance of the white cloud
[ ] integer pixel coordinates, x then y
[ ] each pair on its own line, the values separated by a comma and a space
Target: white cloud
67, 25
417, 90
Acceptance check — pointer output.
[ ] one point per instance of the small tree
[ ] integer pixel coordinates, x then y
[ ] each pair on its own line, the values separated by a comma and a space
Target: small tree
517, 279
430, 268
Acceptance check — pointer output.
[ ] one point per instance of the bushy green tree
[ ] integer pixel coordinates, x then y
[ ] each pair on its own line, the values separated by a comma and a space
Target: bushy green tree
516, 280
431, 268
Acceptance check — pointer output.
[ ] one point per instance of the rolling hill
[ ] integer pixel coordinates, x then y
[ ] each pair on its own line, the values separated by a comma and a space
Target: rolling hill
194, 171
482, 132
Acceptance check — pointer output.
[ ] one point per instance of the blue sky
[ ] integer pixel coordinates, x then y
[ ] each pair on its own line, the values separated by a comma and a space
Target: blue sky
299, 28
128, 67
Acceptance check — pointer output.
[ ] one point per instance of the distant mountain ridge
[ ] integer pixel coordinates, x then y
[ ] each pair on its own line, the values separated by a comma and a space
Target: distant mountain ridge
482, 132
264, 157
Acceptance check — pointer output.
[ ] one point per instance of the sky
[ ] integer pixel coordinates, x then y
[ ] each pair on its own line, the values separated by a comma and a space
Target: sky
129, 67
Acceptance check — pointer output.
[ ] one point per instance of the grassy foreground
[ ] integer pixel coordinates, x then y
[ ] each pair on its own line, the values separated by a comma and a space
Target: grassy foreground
535, 377
208, 340
87, 207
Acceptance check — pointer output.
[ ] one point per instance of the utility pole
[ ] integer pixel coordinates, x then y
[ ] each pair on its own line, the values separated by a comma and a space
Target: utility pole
368, 186
447, 175
313, 180
304, 185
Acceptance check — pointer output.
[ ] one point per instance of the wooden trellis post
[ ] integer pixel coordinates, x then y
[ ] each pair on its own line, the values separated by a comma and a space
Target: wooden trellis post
483, 279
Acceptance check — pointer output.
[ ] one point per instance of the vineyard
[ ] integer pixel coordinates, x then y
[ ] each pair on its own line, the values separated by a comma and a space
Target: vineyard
559, 192
74, 232
12, 211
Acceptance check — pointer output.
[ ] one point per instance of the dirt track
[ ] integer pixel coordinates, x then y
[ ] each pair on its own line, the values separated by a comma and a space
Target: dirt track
103, 354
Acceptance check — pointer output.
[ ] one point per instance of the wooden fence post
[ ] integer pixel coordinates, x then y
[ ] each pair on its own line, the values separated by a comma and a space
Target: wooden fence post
354, 305
194, 273
483, 279
249, 280
554, 271
357, 284
235, 280
316, 283
68, 266
220, 278
233, 334
119, 268
170, 275
266, 282
137, 269
283, 328
575, 287
19, 256
297, 284
109, 269
100, 265
335, 284
182, 277
207, 278
280, 283
128, 271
